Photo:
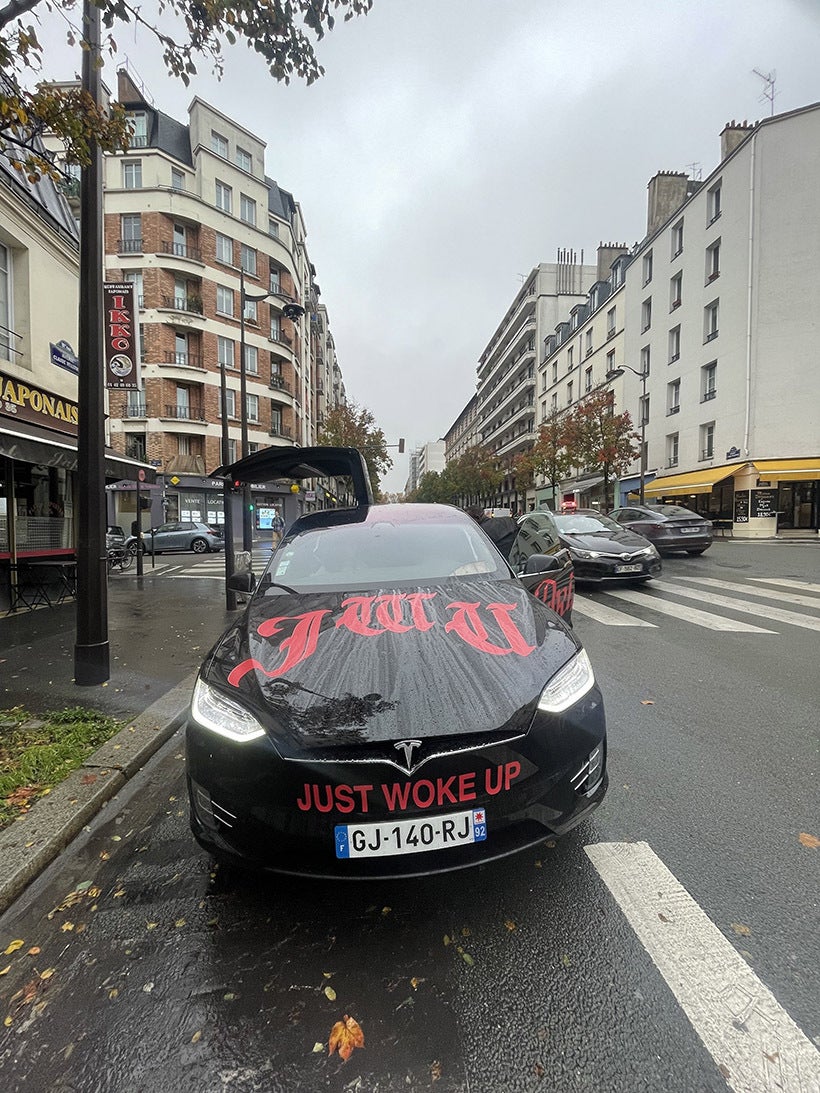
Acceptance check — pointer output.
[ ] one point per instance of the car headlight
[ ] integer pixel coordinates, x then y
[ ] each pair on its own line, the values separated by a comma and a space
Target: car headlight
576, 552
220, 714
649, 550
568, 685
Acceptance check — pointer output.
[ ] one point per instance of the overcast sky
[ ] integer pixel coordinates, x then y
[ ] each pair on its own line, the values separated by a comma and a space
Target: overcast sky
454, 144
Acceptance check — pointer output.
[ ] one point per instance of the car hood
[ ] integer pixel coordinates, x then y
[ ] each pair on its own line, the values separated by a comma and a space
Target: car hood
607, 542
331, 670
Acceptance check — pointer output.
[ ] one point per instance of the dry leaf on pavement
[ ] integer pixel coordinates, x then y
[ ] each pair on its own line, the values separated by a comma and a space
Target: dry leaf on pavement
740, 929
345, 1035
811, 841
13, 947
330, 994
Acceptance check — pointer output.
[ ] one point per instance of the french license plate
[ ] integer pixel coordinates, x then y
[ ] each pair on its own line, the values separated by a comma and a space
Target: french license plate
628, 568
387, 837
690, 531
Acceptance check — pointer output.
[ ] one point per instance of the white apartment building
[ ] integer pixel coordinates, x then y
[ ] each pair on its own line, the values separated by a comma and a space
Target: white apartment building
716, 312
506, 408
462, 433
190, 218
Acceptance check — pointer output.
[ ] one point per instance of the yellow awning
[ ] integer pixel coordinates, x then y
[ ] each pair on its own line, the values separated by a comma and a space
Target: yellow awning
673, 485
788, 470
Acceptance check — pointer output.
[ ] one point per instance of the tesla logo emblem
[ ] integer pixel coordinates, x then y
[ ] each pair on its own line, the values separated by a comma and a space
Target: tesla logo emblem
408, 747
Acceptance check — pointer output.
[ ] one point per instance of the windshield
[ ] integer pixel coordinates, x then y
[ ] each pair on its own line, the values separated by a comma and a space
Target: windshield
576, 524
368, 555
672, 510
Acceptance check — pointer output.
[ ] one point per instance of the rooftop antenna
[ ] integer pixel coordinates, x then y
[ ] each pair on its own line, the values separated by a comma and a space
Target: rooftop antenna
696, 171
769, 92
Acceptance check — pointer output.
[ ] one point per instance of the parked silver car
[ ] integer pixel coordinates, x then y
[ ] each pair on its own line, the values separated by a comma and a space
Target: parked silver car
179, 535
669, 527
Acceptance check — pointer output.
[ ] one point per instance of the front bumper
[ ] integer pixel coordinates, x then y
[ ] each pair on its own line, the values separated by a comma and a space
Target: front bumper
600, 570
245, 798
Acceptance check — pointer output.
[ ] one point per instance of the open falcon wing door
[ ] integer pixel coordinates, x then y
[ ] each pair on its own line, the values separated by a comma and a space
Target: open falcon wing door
300, 463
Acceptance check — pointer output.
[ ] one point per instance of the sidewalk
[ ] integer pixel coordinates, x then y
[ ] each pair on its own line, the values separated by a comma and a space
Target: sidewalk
159, 634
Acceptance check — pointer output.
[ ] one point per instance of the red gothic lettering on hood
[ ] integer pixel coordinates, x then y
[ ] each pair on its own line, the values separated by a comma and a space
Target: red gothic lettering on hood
469, 627
358, 611
416, 601
389, 611
298, 646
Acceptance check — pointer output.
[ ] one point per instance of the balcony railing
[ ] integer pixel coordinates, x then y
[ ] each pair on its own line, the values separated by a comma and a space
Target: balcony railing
673, 410
710, 394
707, 453
136, 409
185, 413
281, 430
279, 383
129, 246
183, 303
181, 250
281, 338
281, 293
184, 360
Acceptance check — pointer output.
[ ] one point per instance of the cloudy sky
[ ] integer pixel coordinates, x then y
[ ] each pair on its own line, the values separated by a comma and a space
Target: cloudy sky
454, 144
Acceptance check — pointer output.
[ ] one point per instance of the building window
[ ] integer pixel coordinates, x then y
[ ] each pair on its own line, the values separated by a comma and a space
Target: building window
647, 267
674, 344
177, 179
251, 311
132, 174
570, 353
132, 275
677, 239
273, 229
224, 249
673, 397
676, 291
644, 410
225, 351
708, 381
224, 301
646, 356
248, 259
713, 262
569, 393
713, 203
588, 379
244, 160
646, 315
251, 360
275, 419
252, 407
711, 317
131, 230
610, 361
554, 404
588, 343
274, 283
219, 144
224, 197
707, 440
232, 452
610, 323
138, 124
6, 318
134, 404
672, 450
275, 329
247, 209
555, 371
230, 402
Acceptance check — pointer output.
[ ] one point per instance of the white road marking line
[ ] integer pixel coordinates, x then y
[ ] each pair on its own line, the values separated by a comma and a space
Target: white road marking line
196, 577
747, 590
688, 614
786, 582
607, 615
760, 610
754, 1042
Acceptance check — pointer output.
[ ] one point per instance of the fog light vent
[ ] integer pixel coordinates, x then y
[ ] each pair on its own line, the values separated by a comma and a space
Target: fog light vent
589, 773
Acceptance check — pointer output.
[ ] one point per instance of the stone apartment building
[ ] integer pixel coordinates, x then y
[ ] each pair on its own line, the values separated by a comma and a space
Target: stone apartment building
194, 221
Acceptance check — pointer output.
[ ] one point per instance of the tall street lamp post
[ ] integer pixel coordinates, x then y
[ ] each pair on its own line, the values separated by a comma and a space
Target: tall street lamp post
91, 649
227, 498
292, 311
642, 376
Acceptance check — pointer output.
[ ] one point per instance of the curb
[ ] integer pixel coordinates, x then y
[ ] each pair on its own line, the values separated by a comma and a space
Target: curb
34, 841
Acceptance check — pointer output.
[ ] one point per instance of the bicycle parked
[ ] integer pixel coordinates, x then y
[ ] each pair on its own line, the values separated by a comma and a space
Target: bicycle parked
119, 558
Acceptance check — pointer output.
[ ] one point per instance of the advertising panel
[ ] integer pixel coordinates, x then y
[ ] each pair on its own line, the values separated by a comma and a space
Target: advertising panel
121, 337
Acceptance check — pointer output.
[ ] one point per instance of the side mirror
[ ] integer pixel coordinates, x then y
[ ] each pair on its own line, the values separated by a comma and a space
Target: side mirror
542, 563
242, 582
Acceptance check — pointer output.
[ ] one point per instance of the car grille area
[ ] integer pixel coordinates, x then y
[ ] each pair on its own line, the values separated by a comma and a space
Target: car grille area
588, 775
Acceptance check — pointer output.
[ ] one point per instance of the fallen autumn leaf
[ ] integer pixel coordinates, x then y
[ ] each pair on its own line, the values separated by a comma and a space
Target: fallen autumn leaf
345, 1035
810, 841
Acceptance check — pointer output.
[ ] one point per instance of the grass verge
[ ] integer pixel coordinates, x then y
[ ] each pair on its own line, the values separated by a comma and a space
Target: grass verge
37, 753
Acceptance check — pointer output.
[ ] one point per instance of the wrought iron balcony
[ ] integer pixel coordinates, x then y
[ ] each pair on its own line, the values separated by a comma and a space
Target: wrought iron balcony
135, 409
129, 246
181, 250
184, 360
183, 303
281, 430
185, 413
279, 383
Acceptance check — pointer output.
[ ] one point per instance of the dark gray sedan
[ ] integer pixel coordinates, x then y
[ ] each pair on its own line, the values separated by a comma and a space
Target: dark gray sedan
601, 550
669, 527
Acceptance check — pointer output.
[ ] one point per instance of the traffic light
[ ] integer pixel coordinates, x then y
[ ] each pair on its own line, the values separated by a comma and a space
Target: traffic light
236, 486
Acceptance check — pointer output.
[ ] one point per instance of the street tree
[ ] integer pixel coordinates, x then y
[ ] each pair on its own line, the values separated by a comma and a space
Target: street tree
353, 426
479, 474
598, 439
548, 458
191, 33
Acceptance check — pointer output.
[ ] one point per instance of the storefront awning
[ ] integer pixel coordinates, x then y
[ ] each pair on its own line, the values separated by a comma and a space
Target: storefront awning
694, 482
581, 485
31, 444
788, 470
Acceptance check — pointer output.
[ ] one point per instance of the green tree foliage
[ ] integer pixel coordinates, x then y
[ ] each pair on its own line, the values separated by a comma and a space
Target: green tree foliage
354, 426
598, 439
282, 32
466, 480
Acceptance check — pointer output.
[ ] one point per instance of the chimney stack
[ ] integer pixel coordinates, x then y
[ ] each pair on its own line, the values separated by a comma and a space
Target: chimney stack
607, 253
733, 134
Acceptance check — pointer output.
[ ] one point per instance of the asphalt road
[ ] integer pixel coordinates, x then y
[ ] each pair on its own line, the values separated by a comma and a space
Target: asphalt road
522, 975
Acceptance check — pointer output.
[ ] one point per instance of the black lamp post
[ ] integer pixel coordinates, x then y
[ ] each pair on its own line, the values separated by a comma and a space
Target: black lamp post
291, 311
227, 498
613, 374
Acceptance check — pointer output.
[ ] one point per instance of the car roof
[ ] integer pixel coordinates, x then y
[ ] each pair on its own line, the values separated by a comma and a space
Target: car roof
373, 515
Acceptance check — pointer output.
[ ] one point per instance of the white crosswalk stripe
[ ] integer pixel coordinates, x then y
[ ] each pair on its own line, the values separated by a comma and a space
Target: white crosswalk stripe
653, 602
607, 615
753, 590
787, 582
759, 610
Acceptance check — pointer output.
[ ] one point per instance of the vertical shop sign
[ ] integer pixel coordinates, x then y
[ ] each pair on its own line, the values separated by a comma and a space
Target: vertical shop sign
121, 337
